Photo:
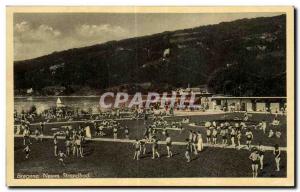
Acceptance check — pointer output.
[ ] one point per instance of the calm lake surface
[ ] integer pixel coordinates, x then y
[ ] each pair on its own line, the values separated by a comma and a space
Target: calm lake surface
42, 103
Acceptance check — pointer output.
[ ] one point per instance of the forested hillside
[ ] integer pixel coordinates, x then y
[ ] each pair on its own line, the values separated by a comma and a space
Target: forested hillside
241, 58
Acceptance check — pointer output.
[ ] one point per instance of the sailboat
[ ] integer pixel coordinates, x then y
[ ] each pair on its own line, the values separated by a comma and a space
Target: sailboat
29, 92
59, 103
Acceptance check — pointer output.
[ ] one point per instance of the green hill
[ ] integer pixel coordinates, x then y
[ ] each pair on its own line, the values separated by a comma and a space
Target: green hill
245, 57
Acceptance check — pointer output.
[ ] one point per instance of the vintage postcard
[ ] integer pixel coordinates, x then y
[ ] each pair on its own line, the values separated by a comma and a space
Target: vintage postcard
150, 96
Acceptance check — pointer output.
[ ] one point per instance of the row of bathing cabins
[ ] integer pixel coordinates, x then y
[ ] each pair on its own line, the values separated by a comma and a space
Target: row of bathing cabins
212, 102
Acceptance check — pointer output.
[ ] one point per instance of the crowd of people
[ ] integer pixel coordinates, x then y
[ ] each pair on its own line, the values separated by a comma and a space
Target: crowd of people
257, 159
224, 133
74, 140
217, 133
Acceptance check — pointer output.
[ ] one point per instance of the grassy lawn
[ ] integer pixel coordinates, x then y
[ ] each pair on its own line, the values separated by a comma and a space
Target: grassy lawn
111, 160
137, 128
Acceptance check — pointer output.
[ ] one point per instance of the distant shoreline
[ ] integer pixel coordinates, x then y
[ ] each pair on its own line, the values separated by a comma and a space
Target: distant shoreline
63, 96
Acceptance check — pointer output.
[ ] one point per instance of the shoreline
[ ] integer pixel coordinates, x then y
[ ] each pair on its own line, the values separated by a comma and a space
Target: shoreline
52, 96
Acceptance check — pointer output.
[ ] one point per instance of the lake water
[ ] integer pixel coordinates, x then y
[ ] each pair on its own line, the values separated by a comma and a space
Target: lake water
42, 103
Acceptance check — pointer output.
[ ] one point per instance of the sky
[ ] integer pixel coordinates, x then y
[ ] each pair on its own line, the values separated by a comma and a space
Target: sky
38, 34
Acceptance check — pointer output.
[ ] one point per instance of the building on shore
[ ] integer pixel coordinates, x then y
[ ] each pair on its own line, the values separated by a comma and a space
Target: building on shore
249, 104
211, 102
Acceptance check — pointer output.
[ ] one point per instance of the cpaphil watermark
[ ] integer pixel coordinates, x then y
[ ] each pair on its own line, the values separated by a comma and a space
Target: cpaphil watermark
111, 100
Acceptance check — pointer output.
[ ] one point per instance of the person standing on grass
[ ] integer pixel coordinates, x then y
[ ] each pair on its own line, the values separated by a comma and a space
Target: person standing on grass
155, 148
37, 134
42, 126
26, 136
188, 150
180, 127
137, 149
232, 135
27, 151
169, 145
200, 142
126, 131
208, 135
74, 143
165, 131
246, 117
95, 125
55, 142
68, 147
194, 142
254, 157
249, 136
277, 154
261, 155
67, 134
115, 132
74, 133
190, 135
239, 136
143, 143
214, 135
224, 136
78, 146
264, 126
